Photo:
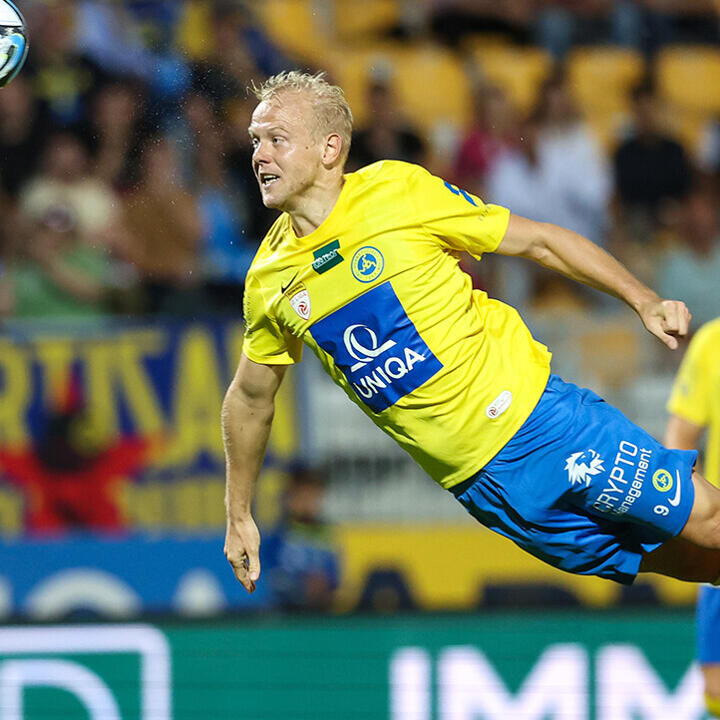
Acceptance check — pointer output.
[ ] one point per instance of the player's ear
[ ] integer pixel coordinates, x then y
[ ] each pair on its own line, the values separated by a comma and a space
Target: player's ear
332, 150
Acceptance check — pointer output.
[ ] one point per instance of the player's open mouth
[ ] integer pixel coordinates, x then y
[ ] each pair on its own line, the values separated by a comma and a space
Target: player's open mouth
267, 179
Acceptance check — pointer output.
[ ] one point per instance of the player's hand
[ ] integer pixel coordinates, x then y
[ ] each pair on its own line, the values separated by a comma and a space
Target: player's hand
666, 319
242, 549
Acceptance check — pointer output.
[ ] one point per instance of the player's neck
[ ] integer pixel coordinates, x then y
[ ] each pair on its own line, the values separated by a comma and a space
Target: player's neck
309, 214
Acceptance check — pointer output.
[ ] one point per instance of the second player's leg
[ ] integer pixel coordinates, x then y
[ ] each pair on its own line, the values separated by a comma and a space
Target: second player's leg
695, 553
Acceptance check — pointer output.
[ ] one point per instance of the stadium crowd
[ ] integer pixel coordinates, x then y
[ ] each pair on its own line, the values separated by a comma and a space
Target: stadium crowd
125, 175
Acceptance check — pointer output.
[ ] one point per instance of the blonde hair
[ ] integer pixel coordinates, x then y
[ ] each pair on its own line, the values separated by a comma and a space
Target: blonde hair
329, 105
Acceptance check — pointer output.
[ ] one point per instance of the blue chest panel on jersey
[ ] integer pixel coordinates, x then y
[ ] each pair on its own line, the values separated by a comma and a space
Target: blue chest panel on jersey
376, 346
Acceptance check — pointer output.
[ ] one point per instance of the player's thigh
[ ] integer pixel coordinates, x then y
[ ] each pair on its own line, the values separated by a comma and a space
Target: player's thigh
703, 524
711, 675
684, 560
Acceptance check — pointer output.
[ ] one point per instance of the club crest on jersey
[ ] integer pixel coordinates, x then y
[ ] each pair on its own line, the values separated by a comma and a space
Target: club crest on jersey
377, 347
367, 264
499, 405
581, 466
299, 298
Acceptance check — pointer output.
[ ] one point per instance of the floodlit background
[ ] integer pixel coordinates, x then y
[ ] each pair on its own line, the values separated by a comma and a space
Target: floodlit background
129, 218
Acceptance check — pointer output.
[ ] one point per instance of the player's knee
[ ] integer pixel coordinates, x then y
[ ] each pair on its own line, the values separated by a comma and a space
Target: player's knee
712, 703
711, 676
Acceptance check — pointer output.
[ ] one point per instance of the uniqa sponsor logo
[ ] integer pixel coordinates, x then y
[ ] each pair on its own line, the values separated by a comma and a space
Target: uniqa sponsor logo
362, 344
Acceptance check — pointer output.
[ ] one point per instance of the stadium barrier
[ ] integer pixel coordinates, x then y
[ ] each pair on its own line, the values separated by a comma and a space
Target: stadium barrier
579, 666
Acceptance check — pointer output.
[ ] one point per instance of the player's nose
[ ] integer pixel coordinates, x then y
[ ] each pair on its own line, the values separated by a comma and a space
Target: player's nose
261, 153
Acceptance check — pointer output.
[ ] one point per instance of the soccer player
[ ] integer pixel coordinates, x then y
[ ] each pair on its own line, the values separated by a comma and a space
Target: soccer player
363, 269
694, 406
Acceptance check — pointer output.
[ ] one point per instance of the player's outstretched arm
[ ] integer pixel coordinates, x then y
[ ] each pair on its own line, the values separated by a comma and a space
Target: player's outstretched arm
573, 255
247, 415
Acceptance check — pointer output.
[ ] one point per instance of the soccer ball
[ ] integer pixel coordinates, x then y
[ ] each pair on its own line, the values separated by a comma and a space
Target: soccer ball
13, 41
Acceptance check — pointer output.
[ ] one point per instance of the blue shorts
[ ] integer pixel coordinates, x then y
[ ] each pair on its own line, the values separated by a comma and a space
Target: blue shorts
582, 488
708, 624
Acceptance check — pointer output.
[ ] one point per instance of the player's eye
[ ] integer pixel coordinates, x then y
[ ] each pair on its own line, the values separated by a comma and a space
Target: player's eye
255, 142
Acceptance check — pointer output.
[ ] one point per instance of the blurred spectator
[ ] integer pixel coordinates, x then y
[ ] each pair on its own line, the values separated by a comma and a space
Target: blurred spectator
54, 275
239, 159
493, 131
707, 152
228, 246
206, 24
689, 268
645, 25
134, 39
557, 173
239, 54
663, 22
560, 174
61, 78
72, 221
108, 33
304, 563
387, 135
65, 183
166, 232
23, 130
561, 24
451, 20
116, 127
651, 168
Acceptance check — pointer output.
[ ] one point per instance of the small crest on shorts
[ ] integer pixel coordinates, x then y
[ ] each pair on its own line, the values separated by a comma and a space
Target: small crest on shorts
581, 466
299, 298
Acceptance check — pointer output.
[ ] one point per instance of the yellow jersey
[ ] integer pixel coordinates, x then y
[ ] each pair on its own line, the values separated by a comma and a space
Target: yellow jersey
695, 395
377, 294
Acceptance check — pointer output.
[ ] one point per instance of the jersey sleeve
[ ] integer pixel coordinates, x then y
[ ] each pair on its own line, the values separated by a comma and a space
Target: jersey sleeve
458, 219
265, 342
691, 390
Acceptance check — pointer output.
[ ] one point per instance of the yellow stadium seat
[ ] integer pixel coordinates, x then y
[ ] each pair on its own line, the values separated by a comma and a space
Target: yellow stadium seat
689, 77
295, 27
351, 23
429, 81
520, 72
352, 68
687, 126
601, 78
193, 33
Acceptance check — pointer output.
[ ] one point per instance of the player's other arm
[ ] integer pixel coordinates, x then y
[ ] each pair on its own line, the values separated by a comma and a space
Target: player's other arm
681, 433
247, 415
573, 255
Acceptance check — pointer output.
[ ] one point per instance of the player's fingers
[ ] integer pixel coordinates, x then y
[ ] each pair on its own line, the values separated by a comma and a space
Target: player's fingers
676, 320
670, 317
684, 318
253, 565
239, 563
240, 568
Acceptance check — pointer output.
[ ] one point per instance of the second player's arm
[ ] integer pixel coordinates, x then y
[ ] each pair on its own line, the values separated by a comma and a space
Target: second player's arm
576, 257
682, 434
247, 415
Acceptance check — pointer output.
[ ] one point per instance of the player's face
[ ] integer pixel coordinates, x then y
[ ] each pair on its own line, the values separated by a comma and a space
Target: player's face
287, 156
